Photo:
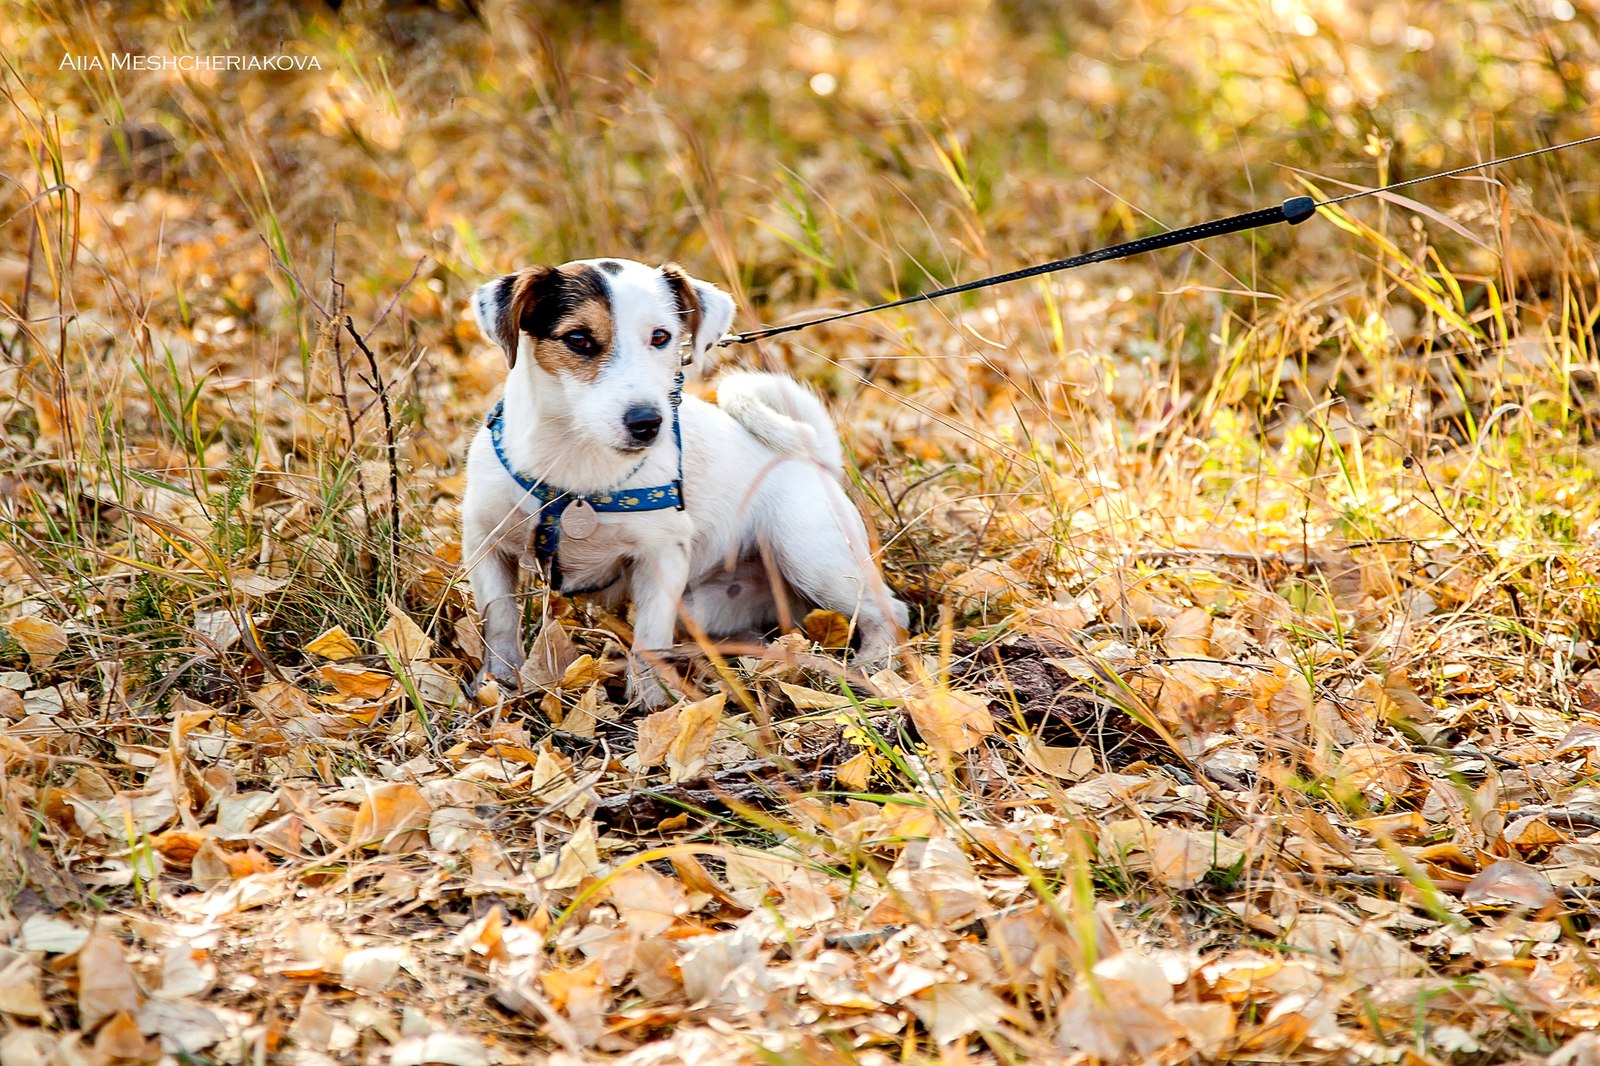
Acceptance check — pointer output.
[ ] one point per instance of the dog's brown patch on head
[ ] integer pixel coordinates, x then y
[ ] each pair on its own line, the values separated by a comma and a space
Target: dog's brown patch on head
551, 303
683, 296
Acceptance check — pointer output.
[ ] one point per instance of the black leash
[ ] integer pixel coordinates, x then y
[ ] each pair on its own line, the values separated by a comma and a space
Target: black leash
1294, 211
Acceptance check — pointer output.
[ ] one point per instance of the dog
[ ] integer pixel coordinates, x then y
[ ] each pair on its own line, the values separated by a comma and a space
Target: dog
597, 468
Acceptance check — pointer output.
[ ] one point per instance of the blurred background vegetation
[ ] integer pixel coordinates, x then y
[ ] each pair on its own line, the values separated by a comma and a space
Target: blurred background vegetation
174, 238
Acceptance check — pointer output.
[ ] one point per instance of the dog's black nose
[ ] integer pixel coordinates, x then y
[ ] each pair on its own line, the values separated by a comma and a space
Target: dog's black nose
643, 423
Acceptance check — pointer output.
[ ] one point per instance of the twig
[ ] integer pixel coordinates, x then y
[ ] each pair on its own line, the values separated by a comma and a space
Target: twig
1450, 886
1558, 815
759, 783
396, 297
331, 319
389, 445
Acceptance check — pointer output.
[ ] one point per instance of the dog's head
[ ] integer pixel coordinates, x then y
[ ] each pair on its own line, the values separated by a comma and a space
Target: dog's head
600, 338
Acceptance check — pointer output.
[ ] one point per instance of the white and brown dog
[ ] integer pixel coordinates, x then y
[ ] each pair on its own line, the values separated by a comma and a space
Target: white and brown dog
717, 513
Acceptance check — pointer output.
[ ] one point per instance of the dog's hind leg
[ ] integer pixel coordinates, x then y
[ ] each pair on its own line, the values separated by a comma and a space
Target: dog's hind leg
822, 550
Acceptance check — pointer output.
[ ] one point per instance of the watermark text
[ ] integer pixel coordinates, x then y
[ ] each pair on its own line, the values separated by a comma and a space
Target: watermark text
188, 63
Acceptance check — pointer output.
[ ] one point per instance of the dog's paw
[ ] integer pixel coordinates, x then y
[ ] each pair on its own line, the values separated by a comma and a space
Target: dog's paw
504, 679
876, 655
645, 689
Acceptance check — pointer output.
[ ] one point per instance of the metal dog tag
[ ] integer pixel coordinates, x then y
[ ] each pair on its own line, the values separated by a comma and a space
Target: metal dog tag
579, 520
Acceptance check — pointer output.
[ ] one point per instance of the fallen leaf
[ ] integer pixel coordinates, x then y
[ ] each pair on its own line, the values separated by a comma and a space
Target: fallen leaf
656, 734
1068, 763
810, 699
27, 1046
951, 721
936, 883
697, 726
185, 1028
576, 859
106, 986
646, 902
1188, 634
827, 629
953, 1011
41, 638
121, 1039
1510, 882
219, 628
1180, 858
854, 773
388, 812
334, 643
1376, 769
439, 1049
550, 657
584, 672
371, 970
354, 682
56, 936
403, 638
19, 987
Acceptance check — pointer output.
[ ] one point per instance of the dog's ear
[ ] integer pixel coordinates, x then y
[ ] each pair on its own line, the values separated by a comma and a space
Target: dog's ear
706, 310
503, 306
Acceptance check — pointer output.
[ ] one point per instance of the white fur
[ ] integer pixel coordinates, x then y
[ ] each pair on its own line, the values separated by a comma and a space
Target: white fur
763, 494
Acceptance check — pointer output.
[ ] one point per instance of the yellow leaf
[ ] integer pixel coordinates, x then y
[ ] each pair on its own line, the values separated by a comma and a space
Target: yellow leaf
951, 721
584, 671
830, 629
19, 989
1189, 634
209, 866
584, 717
1408, 827
389, 812
656, 734
987, 585
1179, 858
105, 982
1062, 623
647, 903
552, 654
697, 725
41, 638
1375, 769
1067, 763
121, 1039
403, 638
334, 643
355, 682
578, 858
1401, 702
810, 699
566, 987
855, 772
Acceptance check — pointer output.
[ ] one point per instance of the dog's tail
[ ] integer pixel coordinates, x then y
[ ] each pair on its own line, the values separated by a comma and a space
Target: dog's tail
784, 415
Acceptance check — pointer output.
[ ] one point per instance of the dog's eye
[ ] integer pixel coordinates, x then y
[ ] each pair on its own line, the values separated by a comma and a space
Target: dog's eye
660, 338
579, 340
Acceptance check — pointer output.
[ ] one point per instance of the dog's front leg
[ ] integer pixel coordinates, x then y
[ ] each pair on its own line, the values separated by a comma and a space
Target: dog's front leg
659, 581
494, 589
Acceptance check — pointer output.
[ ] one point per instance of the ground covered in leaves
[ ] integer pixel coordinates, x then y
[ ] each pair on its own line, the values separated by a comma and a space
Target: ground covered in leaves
1251, 711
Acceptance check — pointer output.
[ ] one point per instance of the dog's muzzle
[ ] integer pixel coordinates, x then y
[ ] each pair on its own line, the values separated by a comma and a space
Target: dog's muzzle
642, 423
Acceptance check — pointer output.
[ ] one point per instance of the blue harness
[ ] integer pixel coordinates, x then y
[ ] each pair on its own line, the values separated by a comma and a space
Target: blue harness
553, 501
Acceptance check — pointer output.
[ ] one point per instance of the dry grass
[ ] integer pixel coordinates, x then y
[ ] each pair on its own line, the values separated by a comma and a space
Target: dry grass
1252, 709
